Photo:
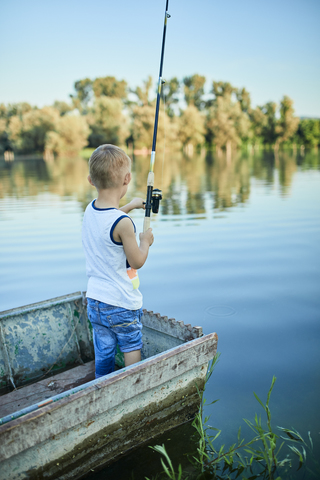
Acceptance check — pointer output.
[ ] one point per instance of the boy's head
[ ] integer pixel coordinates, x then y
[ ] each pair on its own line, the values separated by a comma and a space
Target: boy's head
108, 166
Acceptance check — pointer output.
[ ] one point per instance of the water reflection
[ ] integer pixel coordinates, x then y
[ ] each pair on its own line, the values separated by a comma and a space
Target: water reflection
250, 272
196, 185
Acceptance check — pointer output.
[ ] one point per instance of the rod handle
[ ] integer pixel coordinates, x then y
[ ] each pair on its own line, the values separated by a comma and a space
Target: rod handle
146, 224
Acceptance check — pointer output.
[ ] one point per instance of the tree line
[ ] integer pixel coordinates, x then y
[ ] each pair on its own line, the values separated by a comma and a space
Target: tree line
107, 110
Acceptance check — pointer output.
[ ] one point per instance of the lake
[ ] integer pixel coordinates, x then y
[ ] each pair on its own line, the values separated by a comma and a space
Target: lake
236, 250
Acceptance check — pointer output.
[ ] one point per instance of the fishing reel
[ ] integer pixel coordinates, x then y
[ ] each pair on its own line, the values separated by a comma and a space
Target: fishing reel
155, 200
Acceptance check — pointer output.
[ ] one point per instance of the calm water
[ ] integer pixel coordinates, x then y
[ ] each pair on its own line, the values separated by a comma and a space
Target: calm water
237, 250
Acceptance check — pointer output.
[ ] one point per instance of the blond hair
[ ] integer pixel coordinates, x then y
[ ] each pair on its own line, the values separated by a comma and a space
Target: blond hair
107, 166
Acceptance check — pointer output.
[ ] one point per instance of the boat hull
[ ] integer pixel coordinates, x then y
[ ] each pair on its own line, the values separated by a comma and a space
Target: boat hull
68, 434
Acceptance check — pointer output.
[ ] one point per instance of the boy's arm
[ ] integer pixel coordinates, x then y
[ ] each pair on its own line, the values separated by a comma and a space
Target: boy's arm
135, 203
136, 254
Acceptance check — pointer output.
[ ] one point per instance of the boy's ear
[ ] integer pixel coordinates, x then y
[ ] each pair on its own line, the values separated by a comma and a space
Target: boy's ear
127, 178
90, 181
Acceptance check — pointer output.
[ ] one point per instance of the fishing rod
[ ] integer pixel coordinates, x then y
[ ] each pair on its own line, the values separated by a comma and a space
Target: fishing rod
154, 195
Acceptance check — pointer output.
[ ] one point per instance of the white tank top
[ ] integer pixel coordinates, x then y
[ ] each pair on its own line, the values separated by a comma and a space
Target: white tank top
110, 278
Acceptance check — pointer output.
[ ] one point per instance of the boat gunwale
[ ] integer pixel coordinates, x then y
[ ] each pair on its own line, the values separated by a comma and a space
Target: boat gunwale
42, 305
99, 383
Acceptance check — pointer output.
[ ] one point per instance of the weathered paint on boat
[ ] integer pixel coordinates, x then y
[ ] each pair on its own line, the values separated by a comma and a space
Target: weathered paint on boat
93, 423
36, 337
57, 335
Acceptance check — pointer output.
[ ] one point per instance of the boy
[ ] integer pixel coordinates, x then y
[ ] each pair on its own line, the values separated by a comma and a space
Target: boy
112, 259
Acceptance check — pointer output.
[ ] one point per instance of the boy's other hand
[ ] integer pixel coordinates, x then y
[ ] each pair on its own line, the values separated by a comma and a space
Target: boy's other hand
137, 203
147, 236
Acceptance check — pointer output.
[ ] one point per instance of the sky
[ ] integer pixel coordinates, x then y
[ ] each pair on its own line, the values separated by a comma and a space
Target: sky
270, 47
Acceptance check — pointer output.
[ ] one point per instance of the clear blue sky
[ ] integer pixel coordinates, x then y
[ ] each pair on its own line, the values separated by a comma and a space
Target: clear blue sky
271, 47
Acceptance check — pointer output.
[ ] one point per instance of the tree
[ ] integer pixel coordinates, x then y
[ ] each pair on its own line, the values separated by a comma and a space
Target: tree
288, 123
143, 93
244, 99
7, 113
83, 94
191, 128
227, 124
4, 137
27, 132
223, 89
194, 90
109, 87
309, 132
170, 91
107, 122
269, 133
3, 110
62, 107
258, 121
69, 137
143, 126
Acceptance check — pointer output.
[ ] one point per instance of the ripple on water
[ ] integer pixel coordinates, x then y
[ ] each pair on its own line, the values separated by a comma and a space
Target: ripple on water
220, 311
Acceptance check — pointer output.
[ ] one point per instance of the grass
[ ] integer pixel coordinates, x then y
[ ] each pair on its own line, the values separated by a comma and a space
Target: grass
260, 457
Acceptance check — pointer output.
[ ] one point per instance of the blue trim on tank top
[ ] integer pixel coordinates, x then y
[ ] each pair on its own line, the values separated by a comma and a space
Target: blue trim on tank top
100, 209
114, 226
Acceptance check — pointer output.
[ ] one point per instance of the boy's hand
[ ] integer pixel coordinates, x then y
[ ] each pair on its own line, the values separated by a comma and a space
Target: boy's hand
137, 203
147, 237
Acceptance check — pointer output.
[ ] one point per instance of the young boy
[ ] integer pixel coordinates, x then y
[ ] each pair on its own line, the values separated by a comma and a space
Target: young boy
112, 259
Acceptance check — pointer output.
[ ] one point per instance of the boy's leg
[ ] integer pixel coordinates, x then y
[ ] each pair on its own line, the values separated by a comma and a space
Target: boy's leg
104, 339
132, 357
127, 327
105, 344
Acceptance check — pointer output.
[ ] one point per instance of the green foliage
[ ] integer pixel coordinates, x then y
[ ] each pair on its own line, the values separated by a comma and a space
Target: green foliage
143, 93
288, 123
107, 122
258, 122
88, 89
170, 91
28, 132
143, 124
223, 89
4, 137
225, 120
62, 107
109, 87
191, 127
83, 94
244, 99
226, 124
86, 153
69, 137
15, 109
194, 90
308, 133
168, 467
269, 134
260, 457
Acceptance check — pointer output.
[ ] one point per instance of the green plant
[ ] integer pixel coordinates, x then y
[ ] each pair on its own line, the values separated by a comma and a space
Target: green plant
265, 460
295, 437
167, 468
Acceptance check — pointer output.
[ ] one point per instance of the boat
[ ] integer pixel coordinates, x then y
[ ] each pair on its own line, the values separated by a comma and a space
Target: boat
57, 420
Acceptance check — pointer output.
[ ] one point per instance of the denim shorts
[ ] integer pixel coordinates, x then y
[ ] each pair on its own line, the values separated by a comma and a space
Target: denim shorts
113, 326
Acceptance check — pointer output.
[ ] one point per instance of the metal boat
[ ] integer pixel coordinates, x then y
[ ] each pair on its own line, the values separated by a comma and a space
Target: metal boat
57, 421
